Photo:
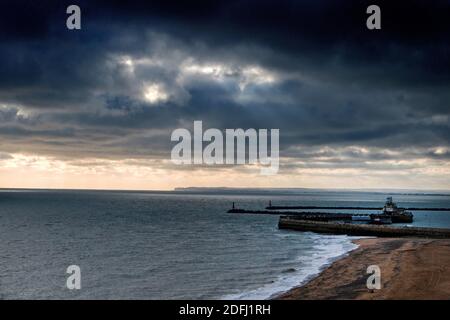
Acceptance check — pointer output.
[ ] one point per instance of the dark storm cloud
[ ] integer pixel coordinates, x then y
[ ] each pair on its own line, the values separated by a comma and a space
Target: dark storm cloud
336, 83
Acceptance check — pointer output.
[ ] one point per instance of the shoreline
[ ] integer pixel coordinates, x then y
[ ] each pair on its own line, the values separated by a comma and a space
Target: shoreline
411, 268
291, 277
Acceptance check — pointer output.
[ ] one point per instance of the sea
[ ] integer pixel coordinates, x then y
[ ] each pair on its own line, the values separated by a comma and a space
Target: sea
172, 245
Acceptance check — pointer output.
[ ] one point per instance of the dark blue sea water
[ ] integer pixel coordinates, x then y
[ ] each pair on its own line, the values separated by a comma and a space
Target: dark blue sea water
167, 245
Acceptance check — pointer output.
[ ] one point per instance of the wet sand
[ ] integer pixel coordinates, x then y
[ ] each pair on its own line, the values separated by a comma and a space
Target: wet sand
410, 269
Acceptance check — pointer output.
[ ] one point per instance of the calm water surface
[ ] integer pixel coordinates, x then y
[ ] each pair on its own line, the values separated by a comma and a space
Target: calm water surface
137, 245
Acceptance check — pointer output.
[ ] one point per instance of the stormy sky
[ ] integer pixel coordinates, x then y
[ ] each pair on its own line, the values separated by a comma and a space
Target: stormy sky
94, 108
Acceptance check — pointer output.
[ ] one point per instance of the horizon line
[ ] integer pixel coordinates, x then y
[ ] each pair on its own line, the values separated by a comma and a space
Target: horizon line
232, 188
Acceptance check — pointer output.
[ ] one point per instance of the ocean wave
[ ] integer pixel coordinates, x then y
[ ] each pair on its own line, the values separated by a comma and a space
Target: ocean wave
326, 250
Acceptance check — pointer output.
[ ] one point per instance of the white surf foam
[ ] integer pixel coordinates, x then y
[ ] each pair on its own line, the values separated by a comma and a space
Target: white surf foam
327, 249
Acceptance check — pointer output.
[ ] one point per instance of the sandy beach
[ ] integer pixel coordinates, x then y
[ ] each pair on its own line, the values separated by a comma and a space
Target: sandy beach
410, 269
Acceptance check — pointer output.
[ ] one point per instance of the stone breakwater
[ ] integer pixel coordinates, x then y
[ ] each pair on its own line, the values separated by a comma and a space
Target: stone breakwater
286, 222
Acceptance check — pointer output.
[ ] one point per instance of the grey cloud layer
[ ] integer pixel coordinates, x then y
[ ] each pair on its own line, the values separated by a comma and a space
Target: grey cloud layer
318, 75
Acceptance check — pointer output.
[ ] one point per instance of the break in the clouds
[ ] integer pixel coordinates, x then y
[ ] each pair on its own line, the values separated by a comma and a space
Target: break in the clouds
354, 107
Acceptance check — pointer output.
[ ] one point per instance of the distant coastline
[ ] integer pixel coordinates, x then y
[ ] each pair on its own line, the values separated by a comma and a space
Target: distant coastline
278, 191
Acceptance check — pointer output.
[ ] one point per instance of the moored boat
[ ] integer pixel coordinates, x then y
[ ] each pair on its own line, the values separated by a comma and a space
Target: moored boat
398, 215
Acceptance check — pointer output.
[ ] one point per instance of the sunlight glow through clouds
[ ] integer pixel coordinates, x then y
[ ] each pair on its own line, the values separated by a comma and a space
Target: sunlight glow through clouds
32, 171
186, 70
155, 93
441, 150
244, 75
